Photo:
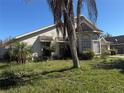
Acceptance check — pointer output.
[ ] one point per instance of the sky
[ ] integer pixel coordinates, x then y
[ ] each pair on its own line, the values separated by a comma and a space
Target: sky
18, 17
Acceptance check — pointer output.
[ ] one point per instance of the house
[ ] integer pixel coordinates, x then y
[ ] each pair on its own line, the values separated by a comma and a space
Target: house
117, 42
88, 38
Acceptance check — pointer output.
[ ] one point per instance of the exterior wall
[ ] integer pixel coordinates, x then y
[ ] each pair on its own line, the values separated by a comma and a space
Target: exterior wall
31, 40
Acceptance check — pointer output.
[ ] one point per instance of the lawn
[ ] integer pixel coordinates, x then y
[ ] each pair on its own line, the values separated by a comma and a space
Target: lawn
95, 76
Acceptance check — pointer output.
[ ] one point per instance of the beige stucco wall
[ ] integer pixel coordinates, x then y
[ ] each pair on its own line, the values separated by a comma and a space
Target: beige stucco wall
31, 40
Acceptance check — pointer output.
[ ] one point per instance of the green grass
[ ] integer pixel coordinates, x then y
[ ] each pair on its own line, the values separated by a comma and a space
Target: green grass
95, 76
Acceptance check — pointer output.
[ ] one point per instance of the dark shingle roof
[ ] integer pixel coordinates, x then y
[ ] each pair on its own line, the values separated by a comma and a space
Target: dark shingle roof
116, 39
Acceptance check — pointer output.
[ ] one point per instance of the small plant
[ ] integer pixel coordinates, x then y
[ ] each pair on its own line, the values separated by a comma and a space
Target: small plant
87, 55
105, 53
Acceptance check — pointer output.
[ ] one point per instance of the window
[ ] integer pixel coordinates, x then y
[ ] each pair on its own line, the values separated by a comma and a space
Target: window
86, 45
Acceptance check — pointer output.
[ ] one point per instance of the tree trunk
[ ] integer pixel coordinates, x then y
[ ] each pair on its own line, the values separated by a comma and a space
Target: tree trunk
79, 8
72, 40
72, 43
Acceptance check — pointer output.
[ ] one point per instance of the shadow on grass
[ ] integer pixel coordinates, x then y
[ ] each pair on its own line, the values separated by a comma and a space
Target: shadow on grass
113, 64
4, 66
12, 80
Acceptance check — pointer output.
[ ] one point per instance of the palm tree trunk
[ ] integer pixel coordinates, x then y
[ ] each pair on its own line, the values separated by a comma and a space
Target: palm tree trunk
72, 40
72, 43
79, 7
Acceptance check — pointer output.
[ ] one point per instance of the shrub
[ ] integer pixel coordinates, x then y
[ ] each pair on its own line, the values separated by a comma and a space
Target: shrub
20, 52
105, 53
87, 55
113, 51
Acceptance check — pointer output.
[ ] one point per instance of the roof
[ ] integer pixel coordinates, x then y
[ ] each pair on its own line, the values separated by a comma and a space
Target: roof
46, 29
116, 39
90, 23
53, 27
104, 41
36, 31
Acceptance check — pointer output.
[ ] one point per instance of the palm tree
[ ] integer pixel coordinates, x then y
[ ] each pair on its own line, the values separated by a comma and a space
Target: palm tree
63, 12
20, 51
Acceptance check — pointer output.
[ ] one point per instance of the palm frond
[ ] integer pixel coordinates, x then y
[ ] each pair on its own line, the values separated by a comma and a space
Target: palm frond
71, 10
79, 9
92, 10
56, 8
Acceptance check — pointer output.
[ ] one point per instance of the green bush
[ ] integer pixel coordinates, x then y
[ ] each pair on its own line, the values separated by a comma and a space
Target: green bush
105, 53
113, 51
87, 55
20, 52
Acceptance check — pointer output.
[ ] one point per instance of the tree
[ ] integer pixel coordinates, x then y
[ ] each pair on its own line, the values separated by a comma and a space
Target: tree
63, 12
19, 52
